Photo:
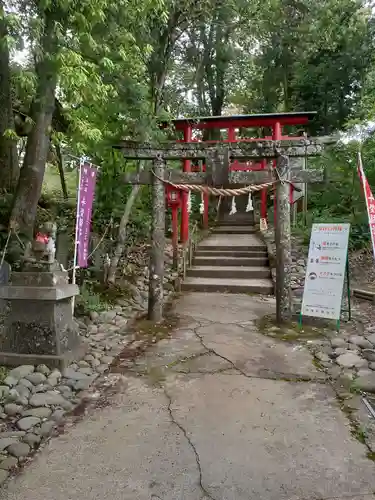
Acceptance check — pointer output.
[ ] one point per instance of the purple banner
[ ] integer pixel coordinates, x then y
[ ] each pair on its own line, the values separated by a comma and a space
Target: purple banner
86, 198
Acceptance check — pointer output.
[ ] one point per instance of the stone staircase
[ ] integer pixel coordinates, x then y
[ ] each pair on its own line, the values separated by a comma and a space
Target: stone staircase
233, 259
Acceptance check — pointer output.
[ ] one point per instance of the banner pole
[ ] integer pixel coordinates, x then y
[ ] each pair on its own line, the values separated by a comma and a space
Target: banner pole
76, 232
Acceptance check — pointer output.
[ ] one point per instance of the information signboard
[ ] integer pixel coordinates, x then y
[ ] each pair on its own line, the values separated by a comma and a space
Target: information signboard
325, 273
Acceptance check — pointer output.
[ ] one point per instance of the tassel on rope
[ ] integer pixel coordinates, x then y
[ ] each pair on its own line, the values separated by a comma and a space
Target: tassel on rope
250, 206
189, 202
233, 209
201, 206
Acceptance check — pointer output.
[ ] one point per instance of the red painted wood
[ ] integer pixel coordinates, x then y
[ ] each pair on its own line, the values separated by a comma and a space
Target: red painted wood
245, 121
175, 228
184, 206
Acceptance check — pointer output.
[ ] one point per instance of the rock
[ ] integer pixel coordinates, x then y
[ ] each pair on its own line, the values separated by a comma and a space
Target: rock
4, 391
371, 338
52, 381
341, 350
19, 449
47, 428
350, 360
364, 372
369, 354
22, 390
41, 412
47, 398
334, 371
70, 383
92, 329
338, 342
22, 400
94, 315
13, 395
94, 363
322, 356
26, 383
11, 381
86, 371
73, 375
58, 415
8, 464
89, 358
82, 385
109, 359
43, 369
366, 383
102, 368
12, 434
353, 348
44, 387
55, 374
12, 409
107, 316
64, 388
360, 341
3, 476
32, 439
27, 423
21, 371
372, 366
36, 378
5, 442
83, 364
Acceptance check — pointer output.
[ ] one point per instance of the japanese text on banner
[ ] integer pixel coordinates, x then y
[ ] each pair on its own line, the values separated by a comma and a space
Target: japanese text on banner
370, 201
86, 199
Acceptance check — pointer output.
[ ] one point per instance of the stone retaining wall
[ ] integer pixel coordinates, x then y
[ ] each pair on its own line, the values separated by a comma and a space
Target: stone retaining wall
299, 262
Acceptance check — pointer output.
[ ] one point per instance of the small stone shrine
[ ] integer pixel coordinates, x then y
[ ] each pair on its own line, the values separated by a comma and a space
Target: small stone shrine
40, 327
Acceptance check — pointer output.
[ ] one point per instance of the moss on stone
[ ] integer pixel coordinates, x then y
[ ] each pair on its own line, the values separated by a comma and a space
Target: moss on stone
289, 331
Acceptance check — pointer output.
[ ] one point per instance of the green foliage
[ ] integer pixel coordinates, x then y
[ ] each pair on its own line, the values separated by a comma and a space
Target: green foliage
89, 300
341, 198
121, 65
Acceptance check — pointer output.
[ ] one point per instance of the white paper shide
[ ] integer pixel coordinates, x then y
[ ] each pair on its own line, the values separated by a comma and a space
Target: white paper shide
325, 273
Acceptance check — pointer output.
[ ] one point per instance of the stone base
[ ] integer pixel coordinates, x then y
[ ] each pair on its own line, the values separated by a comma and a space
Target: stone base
61, 361
40, 327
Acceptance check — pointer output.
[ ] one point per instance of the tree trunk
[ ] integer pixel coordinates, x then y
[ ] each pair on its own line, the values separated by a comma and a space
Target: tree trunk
38, 142
121, 239
61, 171
9, 168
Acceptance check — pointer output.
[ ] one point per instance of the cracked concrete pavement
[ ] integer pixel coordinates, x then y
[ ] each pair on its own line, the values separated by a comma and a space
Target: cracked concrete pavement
217, 412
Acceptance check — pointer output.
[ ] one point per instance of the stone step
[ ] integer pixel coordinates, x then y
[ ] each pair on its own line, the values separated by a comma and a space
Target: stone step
231, 272
261, 286
234, 229
221, 246
239, 222
230, 261
231, 253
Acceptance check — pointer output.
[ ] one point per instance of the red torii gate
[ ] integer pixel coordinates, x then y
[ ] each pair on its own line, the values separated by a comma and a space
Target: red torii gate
274, 122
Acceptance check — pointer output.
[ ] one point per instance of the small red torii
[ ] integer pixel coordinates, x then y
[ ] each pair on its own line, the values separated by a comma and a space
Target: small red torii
273, 121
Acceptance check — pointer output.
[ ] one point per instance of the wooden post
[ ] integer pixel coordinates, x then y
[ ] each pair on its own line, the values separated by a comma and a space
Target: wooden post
283, 244
156, 275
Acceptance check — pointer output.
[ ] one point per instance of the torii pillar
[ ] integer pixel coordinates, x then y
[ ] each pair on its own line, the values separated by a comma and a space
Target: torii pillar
186, 167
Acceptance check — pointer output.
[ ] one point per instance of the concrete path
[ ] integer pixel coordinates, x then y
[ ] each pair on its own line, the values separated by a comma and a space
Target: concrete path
217, 412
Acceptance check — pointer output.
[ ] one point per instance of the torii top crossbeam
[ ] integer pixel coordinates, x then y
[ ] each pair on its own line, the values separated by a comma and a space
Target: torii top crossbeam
242, 121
